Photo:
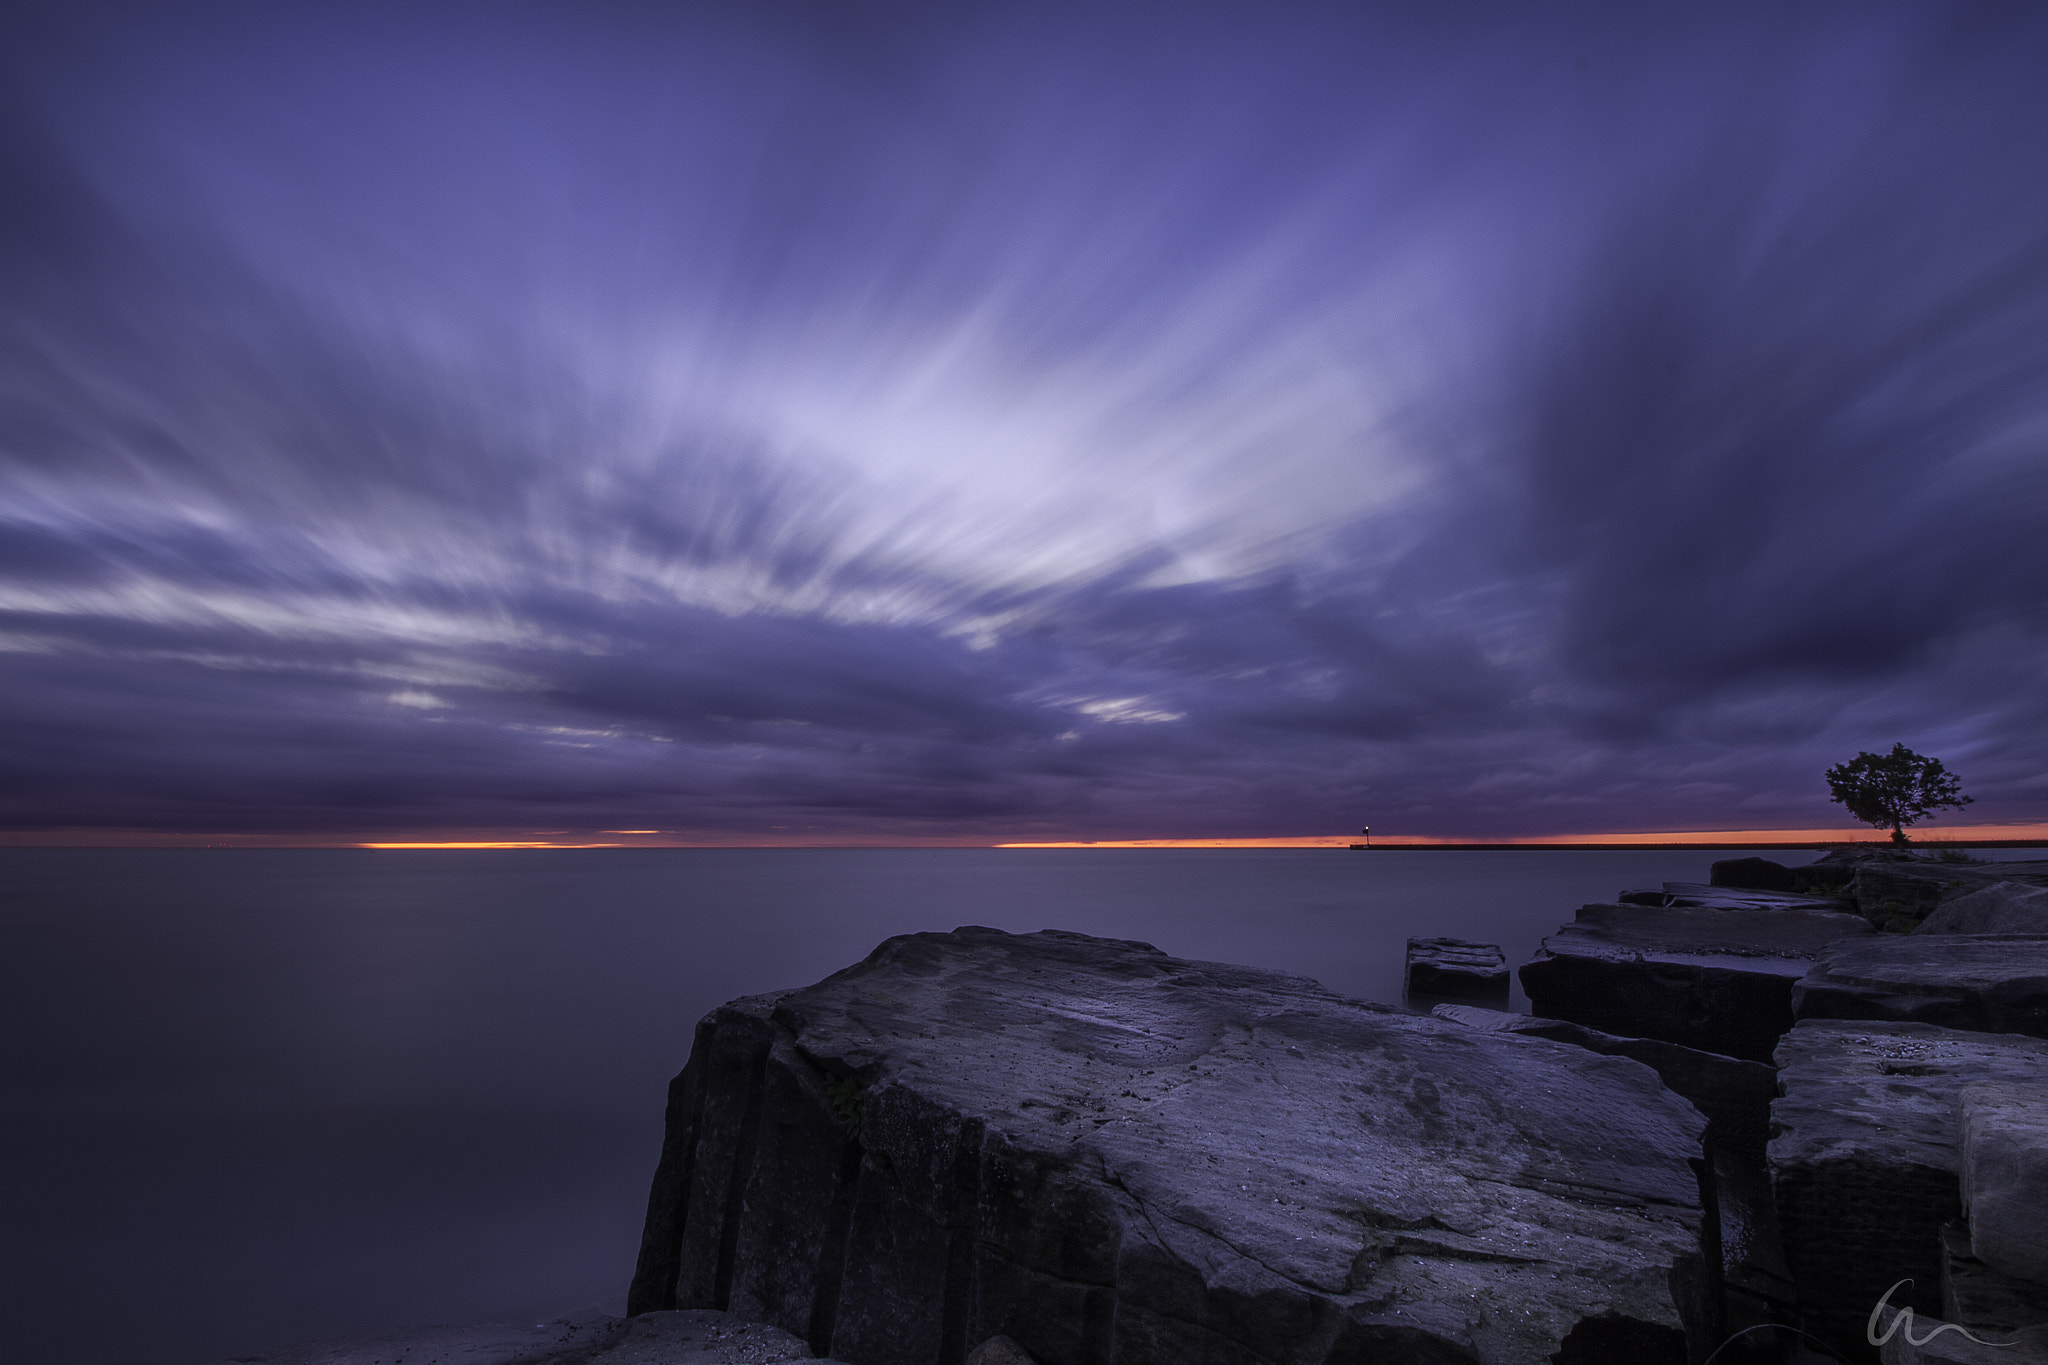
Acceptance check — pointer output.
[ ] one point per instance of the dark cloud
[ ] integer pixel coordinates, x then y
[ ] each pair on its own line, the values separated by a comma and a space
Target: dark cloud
877, 423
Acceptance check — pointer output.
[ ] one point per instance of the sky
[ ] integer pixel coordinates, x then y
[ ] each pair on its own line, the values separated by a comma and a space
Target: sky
854, 422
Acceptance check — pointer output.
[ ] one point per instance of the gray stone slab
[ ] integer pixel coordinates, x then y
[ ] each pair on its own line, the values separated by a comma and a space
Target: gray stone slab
2001, 908
1105, 1153
1987, 983
2003, 1131
1715, 980
673, 1338
1865, 1163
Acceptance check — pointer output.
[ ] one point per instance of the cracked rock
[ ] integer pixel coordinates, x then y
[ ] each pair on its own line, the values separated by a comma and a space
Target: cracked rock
1115, 1157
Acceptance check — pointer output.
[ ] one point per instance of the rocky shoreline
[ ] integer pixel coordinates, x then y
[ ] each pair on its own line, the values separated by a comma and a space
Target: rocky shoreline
1738, 1115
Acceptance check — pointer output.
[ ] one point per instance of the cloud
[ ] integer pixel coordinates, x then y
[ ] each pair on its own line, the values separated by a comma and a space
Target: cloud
1016, 424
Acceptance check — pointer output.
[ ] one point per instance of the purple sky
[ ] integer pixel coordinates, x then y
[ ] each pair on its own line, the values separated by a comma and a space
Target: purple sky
861, 421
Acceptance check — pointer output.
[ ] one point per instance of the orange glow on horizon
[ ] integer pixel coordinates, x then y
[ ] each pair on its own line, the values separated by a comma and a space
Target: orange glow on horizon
2033, 832
1955, 833
489, 843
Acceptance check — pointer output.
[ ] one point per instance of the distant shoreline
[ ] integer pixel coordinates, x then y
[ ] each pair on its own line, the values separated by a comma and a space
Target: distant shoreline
1814, 844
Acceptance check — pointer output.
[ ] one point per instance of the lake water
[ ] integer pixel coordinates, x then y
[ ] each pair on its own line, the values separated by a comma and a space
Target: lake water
256, 1097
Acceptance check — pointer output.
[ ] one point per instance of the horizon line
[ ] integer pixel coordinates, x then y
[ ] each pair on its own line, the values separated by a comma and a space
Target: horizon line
2017, 833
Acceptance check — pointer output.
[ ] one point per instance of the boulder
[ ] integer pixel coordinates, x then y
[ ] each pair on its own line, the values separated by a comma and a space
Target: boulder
1894, 888
1988, 983
1889, 891
2000, 908
2003, 1131
999, 1351
1454, 967
1107, 1154
685, 1338
1865, 1163
1713, 980
1759, 874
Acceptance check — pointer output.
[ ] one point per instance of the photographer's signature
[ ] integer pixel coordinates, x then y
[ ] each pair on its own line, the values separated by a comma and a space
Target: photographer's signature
1903, 1321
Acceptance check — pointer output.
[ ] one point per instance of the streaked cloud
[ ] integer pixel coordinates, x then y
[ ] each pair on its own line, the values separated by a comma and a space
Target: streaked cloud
1018, 421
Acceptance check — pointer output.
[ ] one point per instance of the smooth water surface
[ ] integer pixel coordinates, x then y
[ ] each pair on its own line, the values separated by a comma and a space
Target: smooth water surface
254, 1097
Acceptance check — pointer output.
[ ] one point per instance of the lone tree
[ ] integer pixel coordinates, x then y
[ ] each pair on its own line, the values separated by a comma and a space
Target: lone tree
1894, 789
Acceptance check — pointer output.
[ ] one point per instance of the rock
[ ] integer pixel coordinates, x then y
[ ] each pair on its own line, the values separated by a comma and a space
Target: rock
2000, 908
1864, 1160
1985, 1300
2003, 1132
1735, 1096
1759, 874
686, 1338
1713, 980
1891, 887
1885, 892
1108, 1154
1895, 889
1986, 983
999, 1351
1452, 966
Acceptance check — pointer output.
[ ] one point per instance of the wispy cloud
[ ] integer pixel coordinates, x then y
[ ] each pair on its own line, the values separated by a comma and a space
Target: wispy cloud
1023, 422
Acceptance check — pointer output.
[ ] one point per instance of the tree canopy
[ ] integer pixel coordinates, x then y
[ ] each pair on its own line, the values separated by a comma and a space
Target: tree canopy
1895, 789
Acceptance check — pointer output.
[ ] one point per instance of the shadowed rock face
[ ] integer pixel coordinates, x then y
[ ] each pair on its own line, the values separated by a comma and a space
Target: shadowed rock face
1865, 1162
1111, 1155
1711, 979
1988, 983
2001, 908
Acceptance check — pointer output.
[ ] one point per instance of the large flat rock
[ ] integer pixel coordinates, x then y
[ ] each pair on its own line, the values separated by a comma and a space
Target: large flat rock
1988, 983
1865, 1162
1715, 980
1115, 1156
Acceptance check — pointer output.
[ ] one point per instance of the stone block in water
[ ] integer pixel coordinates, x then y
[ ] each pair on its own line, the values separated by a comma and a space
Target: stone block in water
1455, 967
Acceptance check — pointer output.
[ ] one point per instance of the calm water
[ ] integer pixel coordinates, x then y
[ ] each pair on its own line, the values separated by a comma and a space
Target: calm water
258, 1097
